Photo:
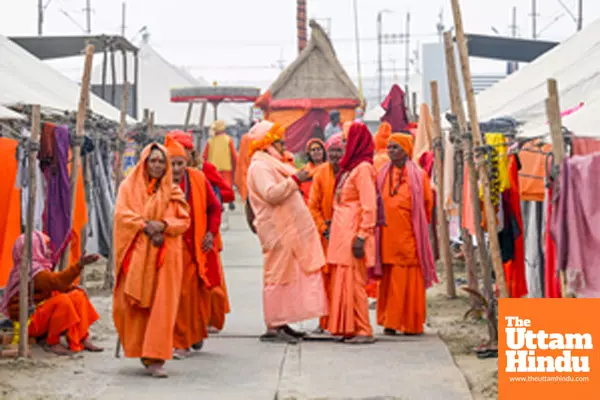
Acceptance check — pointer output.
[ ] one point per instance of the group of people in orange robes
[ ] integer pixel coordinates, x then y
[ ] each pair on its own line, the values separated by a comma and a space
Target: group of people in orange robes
360, 224
170, 286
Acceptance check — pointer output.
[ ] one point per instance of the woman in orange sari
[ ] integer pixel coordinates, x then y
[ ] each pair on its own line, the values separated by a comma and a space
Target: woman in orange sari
317, 155
151, 216
320, 204
352, 241
406, 254
60, 306
293, 289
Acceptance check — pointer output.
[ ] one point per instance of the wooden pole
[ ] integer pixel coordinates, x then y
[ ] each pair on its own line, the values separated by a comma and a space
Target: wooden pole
26, 258
108, 275
467, 151
79, 135
490, 212
558, 147
441, 214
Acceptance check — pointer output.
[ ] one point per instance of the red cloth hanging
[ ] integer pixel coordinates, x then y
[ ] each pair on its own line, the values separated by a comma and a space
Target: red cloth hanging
298, 133
552, 281
395, 110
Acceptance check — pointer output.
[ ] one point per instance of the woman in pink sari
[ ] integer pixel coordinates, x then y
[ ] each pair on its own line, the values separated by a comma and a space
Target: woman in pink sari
293, 288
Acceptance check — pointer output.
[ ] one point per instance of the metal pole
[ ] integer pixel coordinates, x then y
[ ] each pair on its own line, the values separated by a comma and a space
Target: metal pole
123, 15
357, 40
88, 12
534, 19
40, 16
407, 44
379, 57
580, 16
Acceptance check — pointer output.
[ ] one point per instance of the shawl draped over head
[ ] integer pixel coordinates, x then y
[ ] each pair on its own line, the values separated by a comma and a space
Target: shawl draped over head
263, 135
40, 261
405, 141
335, 141
184, 138
395, 109
141, 199
382, 136
359, 148
174, 148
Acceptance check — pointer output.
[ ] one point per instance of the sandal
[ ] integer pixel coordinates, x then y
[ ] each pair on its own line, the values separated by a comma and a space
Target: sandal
360, 340
390, 332
180, 354
198, 346
278, 336
298, 335
157, 371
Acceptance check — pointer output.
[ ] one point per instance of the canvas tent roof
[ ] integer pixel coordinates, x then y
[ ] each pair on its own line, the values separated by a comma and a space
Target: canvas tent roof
27, 80
156, 79
522, 95
6, 113
316, 74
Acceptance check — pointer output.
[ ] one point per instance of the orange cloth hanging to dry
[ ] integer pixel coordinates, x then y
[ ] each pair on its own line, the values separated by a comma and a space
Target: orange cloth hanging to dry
10, 206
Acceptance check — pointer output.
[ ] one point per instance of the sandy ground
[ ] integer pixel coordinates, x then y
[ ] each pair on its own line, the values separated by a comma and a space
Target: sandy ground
462, 336
35, 378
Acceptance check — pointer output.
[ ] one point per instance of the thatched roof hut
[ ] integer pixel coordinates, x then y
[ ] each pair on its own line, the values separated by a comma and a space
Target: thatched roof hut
308, 89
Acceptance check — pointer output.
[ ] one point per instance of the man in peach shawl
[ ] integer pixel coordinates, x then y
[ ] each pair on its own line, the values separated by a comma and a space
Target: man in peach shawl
219, 299
201, 269
320, 204
408, 268
316, 155
151, 216
352, 239
293, 288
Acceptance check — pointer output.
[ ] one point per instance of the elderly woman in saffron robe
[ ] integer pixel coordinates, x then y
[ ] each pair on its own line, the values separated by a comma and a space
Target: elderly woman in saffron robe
352, 241
151, 216
406, 255
317, 156
293, 288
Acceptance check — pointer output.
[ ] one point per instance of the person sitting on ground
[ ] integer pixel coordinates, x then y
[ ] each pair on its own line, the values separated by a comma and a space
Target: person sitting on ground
61, 308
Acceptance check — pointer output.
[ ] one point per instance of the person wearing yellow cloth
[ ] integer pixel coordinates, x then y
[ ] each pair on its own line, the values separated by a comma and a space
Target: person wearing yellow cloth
499, 179
220, 151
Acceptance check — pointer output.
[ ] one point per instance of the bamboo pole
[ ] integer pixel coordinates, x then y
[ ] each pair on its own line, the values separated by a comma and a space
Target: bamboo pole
79, 135
467, 151
558, 147
108, 275
490, 212
26, 258
441, 214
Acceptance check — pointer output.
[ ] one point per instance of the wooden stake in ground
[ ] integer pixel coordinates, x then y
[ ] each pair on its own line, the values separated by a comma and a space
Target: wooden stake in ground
108, 276
79, 137
441, 214
26, 258
558, 147
490, 212
467, 152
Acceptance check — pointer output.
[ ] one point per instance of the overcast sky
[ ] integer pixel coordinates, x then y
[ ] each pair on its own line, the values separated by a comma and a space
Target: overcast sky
247, 40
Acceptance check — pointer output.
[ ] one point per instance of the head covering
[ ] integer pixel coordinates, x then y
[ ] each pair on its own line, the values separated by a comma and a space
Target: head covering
184, 138
382, 136
39, 262
310, 144
360, 148
405, 141
395, 109
334, 113
334, 141
263, 135
346, 129
174, 148
218, 126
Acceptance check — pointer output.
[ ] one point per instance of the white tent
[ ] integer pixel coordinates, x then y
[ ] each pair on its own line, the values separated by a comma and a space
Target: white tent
156, 79
522, 95
27, 80
6, 113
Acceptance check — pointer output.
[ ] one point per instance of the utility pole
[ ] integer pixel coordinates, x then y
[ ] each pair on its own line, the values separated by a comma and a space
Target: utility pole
534, 16
358, 60
88, 13
301, 24
40, 16
123, 18
407, 55
379, 56
580, 16
513, 65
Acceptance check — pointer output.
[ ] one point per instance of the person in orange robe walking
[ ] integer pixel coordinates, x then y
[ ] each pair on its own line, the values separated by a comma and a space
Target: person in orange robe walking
320, 204
151, 216
317, 155
241, 168
60, 306
381, 143
406, 254
352, 241
201, 270
220, 151
219, 299
293, 289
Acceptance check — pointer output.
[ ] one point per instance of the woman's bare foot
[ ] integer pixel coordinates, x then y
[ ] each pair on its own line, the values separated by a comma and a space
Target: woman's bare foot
58, 349
91, 347
181, 354
157, 370
213, 330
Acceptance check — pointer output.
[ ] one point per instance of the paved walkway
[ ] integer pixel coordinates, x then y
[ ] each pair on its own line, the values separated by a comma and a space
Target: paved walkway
235, 365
